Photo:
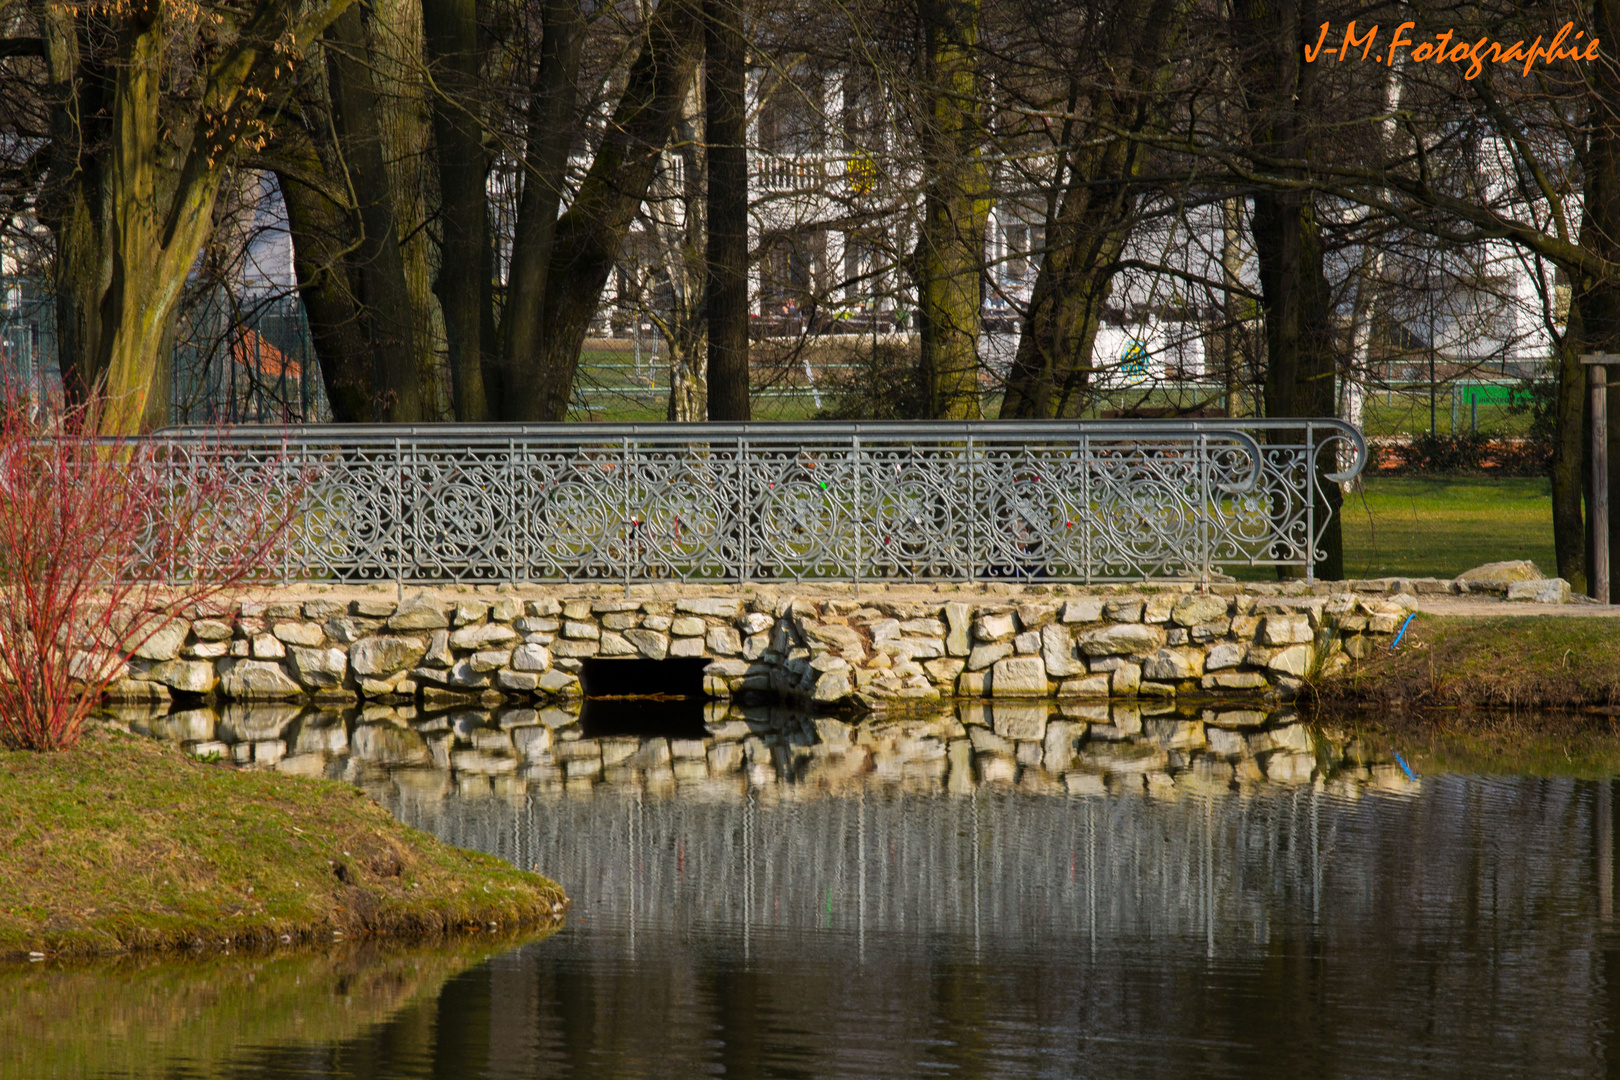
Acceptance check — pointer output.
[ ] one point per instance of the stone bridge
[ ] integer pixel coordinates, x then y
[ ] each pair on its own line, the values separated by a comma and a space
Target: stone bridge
833, 647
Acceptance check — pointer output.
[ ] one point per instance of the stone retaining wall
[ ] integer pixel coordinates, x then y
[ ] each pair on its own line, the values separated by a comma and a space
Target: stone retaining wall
454, 647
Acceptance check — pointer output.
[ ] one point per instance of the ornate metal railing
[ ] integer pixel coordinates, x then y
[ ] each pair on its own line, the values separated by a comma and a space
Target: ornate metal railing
1061, 501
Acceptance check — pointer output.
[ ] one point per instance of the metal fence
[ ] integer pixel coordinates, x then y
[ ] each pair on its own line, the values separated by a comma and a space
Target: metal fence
1060, 501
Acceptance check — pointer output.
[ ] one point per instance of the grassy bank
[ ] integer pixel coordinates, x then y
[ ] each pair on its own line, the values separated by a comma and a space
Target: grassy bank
128, 844
1447, 662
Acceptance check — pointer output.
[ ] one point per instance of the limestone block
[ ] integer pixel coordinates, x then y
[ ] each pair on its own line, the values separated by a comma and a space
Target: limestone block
1126, 680
1193, 609
1018, 677
1285, 629
1235, 680
921, 648
186, 676
1502, 573
250, 680
1174, 665
755, 622
580, 631
563, 647
484, 635
691, 646
923, 628
319, 669
561, 683
536, 626
1294, 660
1085, 609
958, 628
616, 645
943, 672
1384, 624
385, 655
831, 686
983, 656
438, 650
1131, 639
829, 662
649, 643
1034, 616
1550, 591
993, 627
165, 643
543, 608
306, 634
531, 658
1091, 686
688, 626
372, 609
718, 606
207, 650
419, 612
469, 612
211, 630
723, 641
1358, 646
1057, 651
973, 683
1128, 610
577, 609
1158, 607
1224, 655
1027, 643
487, 660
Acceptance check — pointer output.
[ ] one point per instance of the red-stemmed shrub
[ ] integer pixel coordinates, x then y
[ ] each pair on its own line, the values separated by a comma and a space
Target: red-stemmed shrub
103, 541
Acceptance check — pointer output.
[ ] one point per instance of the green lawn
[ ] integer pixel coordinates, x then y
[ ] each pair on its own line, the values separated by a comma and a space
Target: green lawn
1441, 526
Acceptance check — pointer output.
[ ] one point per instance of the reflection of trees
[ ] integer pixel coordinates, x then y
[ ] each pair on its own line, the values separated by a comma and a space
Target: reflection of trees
1279, 934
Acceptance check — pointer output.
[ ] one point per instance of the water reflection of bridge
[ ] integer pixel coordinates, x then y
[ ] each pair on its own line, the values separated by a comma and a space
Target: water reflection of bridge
1240, 896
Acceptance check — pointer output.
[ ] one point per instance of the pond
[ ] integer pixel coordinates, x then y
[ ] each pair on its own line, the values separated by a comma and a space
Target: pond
990, 891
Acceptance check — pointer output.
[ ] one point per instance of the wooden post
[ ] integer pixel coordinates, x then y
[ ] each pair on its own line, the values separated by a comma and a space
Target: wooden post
1598, 381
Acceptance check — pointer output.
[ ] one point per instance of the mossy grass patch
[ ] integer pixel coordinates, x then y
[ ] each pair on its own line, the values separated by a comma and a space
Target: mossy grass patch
126, 844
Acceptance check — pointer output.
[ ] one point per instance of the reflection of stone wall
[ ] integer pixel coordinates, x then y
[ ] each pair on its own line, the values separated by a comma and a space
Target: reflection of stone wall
448, 649
1160, 748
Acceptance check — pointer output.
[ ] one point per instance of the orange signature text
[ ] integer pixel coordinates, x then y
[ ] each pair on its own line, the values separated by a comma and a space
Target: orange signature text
1443, 50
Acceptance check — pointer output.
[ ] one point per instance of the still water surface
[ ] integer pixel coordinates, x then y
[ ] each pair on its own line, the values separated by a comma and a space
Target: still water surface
1094, 895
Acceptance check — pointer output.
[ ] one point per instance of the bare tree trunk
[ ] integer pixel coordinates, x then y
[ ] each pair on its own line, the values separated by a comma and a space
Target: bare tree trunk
591, 233
1300, 352
726, 290
450, 32
956, 209
1084, 238
386, 313
323, 235
545, 162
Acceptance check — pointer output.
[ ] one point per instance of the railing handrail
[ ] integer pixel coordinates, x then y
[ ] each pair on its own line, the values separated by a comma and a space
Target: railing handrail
1056, 499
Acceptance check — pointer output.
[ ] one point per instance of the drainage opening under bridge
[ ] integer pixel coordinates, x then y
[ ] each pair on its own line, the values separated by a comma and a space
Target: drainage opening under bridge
644, 698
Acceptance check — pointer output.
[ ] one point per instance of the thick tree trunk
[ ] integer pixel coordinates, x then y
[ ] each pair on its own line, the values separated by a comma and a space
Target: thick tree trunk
386, 313
956, 209
1300, 350
450, 31
591, 233
726, 266
323, 236
550, 132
